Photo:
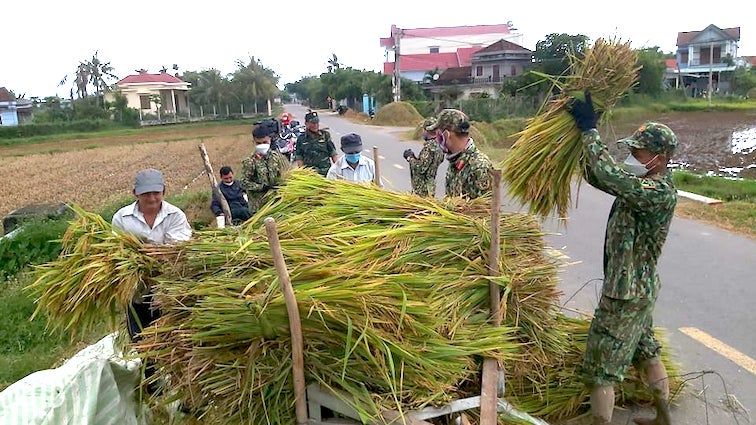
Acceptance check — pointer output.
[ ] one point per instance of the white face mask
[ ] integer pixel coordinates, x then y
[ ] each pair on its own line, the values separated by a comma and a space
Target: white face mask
262, 148
635, 167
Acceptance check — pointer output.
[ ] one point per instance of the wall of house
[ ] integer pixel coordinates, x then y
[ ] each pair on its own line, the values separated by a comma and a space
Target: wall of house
505, 69
8, 117
416, 45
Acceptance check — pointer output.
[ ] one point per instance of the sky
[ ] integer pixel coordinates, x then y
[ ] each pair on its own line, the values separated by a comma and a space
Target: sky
47, 39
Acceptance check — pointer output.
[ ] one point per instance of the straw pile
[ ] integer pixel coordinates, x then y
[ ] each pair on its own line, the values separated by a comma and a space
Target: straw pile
549, 152
397, 114
393, 294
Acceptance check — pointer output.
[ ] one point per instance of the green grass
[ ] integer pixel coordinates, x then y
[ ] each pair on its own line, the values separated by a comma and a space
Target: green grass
25, 347
717, 187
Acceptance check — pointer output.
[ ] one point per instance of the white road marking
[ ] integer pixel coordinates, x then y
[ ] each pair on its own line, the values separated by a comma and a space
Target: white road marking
398, 166
720, 347
381, 157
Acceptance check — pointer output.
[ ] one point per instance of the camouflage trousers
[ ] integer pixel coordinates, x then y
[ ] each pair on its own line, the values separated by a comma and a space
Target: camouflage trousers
621, 334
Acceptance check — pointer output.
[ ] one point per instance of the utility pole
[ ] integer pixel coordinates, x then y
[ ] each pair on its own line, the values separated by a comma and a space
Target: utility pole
711, 71
397, 75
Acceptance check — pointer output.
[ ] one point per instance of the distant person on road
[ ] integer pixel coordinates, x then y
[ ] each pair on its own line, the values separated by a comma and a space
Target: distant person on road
315, 148
262, 171
469, 174
234, 193
622, 332
352, 166
423, 169
154, 221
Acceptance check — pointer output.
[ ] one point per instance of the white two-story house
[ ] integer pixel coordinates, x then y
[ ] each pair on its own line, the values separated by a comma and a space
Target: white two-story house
713, 50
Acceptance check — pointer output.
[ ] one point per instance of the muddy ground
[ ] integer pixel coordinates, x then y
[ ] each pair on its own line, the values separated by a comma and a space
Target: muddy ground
721, 143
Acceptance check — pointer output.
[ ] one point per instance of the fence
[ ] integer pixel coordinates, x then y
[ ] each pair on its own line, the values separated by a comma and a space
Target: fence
220, 111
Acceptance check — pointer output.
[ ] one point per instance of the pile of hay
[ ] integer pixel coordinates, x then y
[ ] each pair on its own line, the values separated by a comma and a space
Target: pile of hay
392, 291
397, 114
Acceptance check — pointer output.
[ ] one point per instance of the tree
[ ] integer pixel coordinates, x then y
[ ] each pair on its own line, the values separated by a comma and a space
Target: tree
552, 53
333, 63
252, 81
744, 81
651, 74
99, 72
92, 72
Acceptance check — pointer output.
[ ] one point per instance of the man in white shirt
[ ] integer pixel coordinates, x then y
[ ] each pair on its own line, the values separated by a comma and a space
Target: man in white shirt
150, 218
154, 221
352, 166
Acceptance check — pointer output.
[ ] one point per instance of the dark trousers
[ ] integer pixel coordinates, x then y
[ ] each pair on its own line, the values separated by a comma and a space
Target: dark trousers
240, 214
138, 317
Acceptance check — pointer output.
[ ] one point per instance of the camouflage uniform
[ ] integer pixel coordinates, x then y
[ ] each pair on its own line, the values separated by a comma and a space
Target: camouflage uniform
621, 332
315, 150
423, 168
260, 174
469, 173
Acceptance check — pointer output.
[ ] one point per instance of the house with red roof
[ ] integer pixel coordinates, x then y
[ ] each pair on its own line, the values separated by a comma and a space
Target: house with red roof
434, 50
712, 50
489, 68
140, 89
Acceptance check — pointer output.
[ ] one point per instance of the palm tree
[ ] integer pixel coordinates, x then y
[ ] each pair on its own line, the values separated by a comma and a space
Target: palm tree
99, 73
333, 63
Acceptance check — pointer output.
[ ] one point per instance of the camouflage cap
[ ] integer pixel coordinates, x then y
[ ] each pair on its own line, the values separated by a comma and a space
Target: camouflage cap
656, 137
429, 122
312, 116
451, 119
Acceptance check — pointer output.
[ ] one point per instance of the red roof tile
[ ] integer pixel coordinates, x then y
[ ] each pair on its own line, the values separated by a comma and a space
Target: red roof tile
446, 32
423, 62
5, 95
671, 63
684, 38
464, 55
150, 78
455, 31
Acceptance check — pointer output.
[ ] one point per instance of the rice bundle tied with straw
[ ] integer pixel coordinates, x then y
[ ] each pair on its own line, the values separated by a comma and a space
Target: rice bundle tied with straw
549, 152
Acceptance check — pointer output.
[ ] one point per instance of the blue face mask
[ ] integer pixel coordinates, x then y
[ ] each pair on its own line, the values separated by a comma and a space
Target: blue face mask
352, 158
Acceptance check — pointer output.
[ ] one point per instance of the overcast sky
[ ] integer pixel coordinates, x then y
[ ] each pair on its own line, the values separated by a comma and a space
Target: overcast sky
45, 40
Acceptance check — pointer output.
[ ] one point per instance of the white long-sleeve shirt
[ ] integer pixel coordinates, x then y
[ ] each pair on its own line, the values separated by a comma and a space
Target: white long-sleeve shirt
363, 173
170, 224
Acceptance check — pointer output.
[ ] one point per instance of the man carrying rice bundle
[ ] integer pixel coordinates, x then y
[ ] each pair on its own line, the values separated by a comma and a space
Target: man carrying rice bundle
621, 332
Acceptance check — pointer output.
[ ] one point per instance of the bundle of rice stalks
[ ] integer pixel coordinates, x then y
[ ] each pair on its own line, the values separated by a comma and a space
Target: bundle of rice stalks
549, 151
392, 291
97, 273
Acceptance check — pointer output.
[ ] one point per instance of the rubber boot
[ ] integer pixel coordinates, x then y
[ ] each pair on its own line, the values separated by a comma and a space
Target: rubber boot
657, 380
602, 405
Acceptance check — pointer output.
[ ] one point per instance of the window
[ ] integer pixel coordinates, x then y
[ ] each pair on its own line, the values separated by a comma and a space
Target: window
478, 71
514, 70
144, 101
434, 49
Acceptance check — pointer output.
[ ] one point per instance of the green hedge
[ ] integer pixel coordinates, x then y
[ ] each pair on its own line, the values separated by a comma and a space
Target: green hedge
40, 129
716, 187
36, 243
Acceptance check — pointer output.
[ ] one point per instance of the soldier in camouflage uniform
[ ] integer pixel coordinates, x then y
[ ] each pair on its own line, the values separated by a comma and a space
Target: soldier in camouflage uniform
621, 332
423, 169
315, 148
263, 170
469, 173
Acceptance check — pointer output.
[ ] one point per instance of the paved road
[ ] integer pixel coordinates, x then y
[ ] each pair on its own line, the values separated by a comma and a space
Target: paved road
709, 282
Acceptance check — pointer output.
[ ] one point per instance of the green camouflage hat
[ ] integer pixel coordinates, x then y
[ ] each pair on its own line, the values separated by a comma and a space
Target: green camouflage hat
451, 119
656, 137
429, 122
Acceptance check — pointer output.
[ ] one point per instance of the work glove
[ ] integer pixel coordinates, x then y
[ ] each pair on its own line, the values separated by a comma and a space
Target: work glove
409, 154
583, 113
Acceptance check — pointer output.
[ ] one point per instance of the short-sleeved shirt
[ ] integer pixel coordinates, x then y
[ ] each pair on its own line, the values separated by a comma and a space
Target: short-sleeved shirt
170, 224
